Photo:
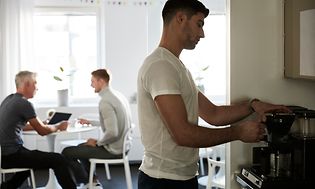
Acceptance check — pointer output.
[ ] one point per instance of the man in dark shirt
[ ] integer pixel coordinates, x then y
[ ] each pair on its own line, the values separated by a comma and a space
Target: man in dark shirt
17, 114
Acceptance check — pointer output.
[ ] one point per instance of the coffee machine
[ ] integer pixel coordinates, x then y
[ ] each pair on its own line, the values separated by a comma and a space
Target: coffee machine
286, 157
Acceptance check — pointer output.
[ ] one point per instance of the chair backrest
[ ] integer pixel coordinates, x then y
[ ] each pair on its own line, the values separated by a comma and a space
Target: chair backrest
128, 140
218, 152
216, 173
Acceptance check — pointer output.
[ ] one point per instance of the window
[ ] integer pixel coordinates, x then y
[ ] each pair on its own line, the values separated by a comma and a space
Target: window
74, 38
207, 62
68, 40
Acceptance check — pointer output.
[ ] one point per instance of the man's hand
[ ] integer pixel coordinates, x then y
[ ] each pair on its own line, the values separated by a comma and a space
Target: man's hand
83, 121
91, 142
249, 131
261, 108
62, 126
264, 107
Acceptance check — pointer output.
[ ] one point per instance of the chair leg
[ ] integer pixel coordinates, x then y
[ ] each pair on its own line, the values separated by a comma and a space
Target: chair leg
33, 179
29, 181
209, 184
128, 175
107, 171
202, 168
3, 177
92, 169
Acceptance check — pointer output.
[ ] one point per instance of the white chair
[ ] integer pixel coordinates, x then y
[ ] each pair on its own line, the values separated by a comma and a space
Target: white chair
14, 170
216, 178
204, 153
216, 169
76, 142
124, 160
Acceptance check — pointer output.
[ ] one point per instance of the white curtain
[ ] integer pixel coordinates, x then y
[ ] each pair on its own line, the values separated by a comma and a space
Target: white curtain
15, 41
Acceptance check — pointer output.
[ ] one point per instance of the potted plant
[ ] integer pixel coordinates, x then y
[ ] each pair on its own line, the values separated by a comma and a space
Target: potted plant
62, 88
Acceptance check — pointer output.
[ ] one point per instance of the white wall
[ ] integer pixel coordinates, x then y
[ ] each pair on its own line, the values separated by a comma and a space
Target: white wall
126, 44
126, 47
257, 66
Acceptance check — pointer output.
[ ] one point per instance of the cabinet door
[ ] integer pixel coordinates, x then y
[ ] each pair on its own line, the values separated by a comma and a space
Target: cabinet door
299, 40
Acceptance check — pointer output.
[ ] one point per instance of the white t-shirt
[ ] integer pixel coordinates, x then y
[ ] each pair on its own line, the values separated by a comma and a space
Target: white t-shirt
163, 73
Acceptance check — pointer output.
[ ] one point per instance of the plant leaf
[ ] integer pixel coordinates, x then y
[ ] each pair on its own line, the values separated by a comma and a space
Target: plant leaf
57, 78
199, 78
61, 69
205, 68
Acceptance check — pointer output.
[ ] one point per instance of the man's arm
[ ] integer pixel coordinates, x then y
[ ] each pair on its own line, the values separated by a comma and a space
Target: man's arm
225, 115
43, 129
28, 127
173, 113
222, 115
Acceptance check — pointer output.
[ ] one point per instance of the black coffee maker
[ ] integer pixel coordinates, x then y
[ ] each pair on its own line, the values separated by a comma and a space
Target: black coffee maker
285, 159
275, 159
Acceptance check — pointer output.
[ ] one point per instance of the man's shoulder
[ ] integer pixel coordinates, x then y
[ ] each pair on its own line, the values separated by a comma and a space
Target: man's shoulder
113, 95
159, 54
12, 96
17, 104
15, 99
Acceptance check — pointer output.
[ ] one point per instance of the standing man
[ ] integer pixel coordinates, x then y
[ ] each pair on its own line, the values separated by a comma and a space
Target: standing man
169, 105
16, 114
114, 119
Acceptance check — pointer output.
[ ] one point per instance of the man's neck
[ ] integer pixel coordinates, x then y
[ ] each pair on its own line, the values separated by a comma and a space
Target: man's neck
21, 92
170, 42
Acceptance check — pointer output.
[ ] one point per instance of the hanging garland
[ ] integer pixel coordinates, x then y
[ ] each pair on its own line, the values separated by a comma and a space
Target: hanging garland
140, 3
135, 2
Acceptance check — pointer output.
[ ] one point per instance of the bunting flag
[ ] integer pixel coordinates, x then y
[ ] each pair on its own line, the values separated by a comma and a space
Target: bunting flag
143, 3
134, 2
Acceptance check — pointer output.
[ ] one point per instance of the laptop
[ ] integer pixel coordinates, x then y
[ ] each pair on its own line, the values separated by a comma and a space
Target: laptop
58, 117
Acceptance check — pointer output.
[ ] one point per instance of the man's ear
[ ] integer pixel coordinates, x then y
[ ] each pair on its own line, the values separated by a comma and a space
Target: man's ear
27, 83
104, 82
180, 16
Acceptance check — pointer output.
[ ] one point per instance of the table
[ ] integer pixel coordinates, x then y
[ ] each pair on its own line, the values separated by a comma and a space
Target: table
51, 139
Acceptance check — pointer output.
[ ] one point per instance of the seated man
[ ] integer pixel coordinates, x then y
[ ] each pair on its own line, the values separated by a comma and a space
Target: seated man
17, 113
114, 119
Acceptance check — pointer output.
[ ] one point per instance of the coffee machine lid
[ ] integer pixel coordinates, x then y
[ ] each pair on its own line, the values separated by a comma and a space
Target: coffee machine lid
302, 112
279, 123
305, 113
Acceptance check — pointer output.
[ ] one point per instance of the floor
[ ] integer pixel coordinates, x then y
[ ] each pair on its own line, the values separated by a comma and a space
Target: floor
117, 177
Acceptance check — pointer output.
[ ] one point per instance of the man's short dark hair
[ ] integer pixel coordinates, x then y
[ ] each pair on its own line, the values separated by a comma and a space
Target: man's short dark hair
191, 7
101, 74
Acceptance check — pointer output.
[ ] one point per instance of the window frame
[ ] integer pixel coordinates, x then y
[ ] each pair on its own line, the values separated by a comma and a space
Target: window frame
100, 39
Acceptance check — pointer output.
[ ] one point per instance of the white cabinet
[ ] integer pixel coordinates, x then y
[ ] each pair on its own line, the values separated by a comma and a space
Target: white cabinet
299, 40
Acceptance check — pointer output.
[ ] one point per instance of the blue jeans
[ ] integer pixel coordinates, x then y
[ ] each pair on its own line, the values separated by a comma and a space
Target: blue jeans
25, 158
147, 182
